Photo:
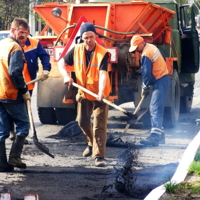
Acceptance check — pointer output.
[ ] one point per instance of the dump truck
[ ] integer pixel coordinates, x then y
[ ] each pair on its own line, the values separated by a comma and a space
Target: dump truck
165, 23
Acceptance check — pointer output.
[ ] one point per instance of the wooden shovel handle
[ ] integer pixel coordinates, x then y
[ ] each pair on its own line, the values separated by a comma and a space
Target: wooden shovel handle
33, 81
28, 104
96, 96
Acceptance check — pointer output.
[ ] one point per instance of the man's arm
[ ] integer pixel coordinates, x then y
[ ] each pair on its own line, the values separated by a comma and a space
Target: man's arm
44, 57
62, 66
15, 69
102, 83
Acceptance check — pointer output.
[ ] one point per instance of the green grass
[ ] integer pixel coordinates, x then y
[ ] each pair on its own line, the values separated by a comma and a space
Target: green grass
197, 156
194, 168
195, 189
175, 190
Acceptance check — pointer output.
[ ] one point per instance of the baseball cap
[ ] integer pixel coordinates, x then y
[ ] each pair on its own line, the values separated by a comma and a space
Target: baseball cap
135, 41
87, 27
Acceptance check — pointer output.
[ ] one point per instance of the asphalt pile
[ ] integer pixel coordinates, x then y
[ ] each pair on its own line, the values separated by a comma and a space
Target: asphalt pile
73, 133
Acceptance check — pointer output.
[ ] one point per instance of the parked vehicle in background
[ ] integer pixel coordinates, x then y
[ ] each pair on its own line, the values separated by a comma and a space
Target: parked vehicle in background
4, 34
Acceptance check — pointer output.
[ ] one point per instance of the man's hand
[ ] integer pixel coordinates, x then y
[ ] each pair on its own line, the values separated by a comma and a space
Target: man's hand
100, 96
68, 80
45, 75
144, 93
26, 96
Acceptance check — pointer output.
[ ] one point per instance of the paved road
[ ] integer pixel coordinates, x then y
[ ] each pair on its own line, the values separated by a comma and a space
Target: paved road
71, 177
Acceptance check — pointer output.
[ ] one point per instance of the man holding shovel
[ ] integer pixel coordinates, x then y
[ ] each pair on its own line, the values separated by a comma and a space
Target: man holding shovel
32, 51
13, 95
90, 65
154, 73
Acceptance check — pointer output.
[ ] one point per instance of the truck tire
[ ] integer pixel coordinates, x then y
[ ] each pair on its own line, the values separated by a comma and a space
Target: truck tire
65, 115
47, 115
171, 114
186, 104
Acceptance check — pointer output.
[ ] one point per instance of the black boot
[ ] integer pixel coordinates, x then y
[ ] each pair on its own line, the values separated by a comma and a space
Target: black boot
15, 153
162, 138
4, 165
153, 140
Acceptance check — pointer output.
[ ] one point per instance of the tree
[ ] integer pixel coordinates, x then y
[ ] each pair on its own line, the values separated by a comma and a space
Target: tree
9, 9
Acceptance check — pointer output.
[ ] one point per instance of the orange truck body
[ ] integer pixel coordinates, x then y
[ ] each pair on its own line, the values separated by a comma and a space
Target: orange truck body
116, 23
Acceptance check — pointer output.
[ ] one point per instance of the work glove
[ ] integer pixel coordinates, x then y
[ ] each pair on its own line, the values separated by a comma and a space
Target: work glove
45, 75
144, 92
26, 96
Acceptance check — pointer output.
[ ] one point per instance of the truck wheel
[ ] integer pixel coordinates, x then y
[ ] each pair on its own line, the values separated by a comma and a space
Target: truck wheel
186, 104
65, 115
47, 115
171, 114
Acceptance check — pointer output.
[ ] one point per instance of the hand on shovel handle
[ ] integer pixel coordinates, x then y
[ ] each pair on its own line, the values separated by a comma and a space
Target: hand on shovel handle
105, 101
33, 81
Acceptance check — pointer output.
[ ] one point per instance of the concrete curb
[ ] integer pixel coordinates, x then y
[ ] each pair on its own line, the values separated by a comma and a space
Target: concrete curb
181, 171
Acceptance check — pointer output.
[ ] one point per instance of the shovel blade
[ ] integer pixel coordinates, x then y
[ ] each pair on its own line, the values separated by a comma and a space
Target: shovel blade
139, 115
42, 147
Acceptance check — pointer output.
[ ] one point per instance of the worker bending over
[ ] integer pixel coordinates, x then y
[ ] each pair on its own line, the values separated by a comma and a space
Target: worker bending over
90, 65
154, 73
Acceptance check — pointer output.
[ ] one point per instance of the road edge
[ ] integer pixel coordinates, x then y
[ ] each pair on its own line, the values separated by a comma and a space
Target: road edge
181, 171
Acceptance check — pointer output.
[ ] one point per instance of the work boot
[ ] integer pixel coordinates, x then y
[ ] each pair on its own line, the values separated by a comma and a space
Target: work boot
153, 140
15, 153
88, 151
4, 165
99, 162
162, 138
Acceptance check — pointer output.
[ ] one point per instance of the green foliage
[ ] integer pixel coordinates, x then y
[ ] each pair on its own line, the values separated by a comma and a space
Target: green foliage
195, 189
197, 156
195, 168
9, 9
171, 187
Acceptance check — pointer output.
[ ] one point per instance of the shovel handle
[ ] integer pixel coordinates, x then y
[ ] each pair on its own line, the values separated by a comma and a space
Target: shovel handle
139, 104
33, 81
135, 112
104, 100
28, 104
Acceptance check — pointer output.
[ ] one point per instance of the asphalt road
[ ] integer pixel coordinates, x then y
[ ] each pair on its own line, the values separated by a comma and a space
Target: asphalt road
71, 177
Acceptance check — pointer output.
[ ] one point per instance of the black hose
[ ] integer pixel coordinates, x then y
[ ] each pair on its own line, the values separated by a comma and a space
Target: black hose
72, 26
102, 36
116, 32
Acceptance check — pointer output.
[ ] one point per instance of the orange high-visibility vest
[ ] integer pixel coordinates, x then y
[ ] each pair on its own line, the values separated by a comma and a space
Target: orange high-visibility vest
8, 89
27, 77
88, 76
159, 66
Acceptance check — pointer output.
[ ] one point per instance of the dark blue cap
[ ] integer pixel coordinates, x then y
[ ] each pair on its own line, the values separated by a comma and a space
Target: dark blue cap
87, 27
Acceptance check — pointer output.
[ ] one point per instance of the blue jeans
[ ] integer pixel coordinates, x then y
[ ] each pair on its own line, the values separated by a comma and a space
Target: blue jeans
157, 104
16, 113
